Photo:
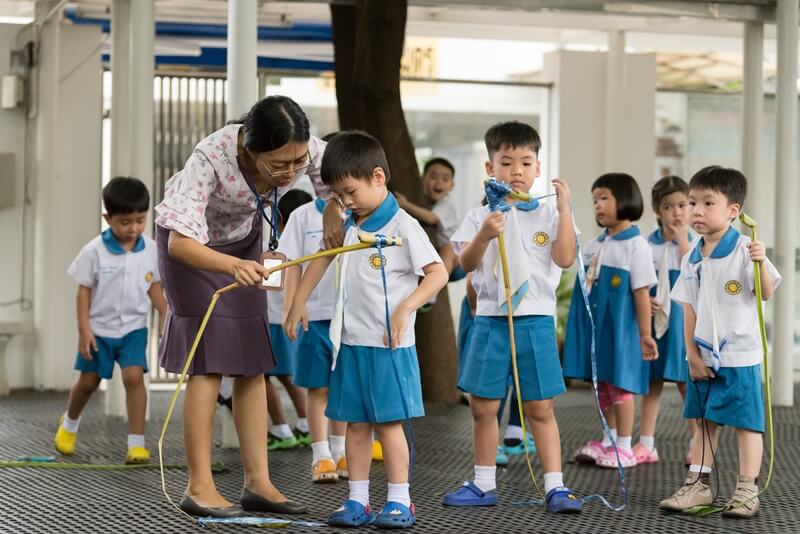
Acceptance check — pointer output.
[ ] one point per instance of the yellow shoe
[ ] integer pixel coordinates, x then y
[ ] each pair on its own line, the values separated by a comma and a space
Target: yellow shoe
137, 455
377, 451
324, 470
341, 467
65, 440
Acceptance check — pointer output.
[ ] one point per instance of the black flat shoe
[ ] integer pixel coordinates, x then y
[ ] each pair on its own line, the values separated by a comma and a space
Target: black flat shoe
252, 502
192, 508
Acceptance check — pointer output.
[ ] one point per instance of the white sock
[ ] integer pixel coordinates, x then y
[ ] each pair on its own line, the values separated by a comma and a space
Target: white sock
399, 493
513, 432
302, 425
359, 491
337, 446
71, 425
282, 431
694, 468
320, 450
624, 443
552, 481
607, 439
135, 440
648, 441
485, 477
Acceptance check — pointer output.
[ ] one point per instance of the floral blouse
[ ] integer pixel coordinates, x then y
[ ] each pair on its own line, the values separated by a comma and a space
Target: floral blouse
209, 199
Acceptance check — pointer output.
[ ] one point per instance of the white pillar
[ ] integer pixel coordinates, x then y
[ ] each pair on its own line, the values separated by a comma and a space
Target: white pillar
752, 120
786, 190
242, 94
615, 83
120, 87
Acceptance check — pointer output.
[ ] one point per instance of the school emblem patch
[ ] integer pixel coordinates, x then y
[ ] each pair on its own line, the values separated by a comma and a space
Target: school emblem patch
376, 261
541, 239
733, 287
616, 280
149, 276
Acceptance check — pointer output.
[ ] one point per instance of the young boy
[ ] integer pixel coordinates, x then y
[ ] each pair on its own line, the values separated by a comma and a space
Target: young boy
301, 237
116, 273
437, 182
540, 242
723, 346
375, 380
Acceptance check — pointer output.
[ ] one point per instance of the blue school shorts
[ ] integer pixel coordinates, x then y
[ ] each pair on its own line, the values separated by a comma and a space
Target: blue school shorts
129, 350
284, 350
314, 356
734, 398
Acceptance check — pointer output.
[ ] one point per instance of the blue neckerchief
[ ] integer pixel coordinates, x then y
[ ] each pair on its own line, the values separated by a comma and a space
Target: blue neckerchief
633, 231
113, 246
320, 205
723, 248
378, 218
657, 237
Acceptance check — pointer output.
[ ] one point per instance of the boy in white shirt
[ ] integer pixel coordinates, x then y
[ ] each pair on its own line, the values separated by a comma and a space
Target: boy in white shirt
116, 273
717, 289
375, 380
540, 242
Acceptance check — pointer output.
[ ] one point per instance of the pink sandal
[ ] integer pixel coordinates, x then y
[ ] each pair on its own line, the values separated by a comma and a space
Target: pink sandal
609, 459
589, 453
644, 455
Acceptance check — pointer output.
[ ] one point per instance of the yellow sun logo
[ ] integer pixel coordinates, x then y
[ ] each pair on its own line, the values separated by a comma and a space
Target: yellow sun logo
376, 261
541, 239
733, 287
616, 280
148, 277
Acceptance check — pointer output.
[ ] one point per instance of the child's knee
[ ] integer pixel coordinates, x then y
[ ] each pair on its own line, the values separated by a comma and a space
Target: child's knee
88, 382
539, 411
357, 431
483, 409
133, 377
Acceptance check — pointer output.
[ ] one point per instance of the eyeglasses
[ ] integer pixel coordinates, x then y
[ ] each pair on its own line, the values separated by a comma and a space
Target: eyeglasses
284, 169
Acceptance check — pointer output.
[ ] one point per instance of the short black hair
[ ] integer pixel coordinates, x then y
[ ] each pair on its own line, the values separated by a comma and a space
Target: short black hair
290, 201
626, 192
328, 136
123, 195
352, 153
439, 161
666, 186
730, 182
511, 134
273, 122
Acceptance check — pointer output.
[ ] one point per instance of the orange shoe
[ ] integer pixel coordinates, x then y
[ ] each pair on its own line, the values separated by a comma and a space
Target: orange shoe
341, 467
324, 470
377, 451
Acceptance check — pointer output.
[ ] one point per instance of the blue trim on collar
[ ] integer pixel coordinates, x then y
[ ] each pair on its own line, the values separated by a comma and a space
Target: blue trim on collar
723, 248
113, 246
633, 231
657, 237
378, 218
320, 204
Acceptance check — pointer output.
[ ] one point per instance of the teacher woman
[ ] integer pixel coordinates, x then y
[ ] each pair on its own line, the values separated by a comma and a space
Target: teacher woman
209, 233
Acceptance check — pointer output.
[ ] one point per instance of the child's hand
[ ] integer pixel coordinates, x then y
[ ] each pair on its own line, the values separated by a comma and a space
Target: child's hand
86, 345
654, 306
402, 201
298, 314
492, 226
679, 231
758, 252
249, 273
698, 370
399, 322
649, 348
562, 191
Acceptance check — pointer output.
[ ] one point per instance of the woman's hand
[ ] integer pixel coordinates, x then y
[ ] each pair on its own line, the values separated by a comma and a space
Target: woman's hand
248, 273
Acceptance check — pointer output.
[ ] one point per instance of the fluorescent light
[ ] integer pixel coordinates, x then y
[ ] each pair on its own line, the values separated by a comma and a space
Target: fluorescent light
15, 20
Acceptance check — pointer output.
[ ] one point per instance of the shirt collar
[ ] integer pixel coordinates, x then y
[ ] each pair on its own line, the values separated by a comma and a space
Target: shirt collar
320, 204
378, 218
113, 246
657, 237
633, 231
723, 248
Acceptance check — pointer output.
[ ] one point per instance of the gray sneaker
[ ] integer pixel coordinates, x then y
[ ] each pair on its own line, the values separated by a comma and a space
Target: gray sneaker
744, 501
692, 493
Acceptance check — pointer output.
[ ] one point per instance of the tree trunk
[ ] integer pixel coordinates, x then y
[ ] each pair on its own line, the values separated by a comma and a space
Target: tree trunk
368, 44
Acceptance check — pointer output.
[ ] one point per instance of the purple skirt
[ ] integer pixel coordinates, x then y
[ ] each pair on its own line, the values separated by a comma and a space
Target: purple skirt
236, 339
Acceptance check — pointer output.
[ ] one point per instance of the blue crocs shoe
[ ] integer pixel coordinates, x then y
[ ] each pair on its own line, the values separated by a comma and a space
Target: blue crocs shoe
563, 501
470, 495
519, 448
396, 515
351, 514
501, 459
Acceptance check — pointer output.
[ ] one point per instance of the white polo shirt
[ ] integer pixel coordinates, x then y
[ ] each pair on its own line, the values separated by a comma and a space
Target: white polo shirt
364, 316
627, 251
448, 220
119, 281
730, 269
302, 236
538, 229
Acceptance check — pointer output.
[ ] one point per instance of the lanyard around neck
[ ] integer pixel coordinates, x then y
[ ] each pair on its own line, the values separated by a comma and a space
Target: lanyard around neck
271, 221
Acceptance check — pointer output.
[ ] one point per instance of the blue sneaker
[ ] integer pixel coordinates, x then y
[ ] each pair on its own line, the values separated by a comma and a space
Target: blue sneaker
501, 459
519, 448
351, 514
396, 515
563, 501
470, 495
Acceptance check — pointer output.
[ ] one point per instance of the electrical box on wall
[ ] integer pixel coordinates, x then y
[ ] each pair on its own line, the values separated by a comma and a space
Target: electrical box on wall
12, 92
8, 177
